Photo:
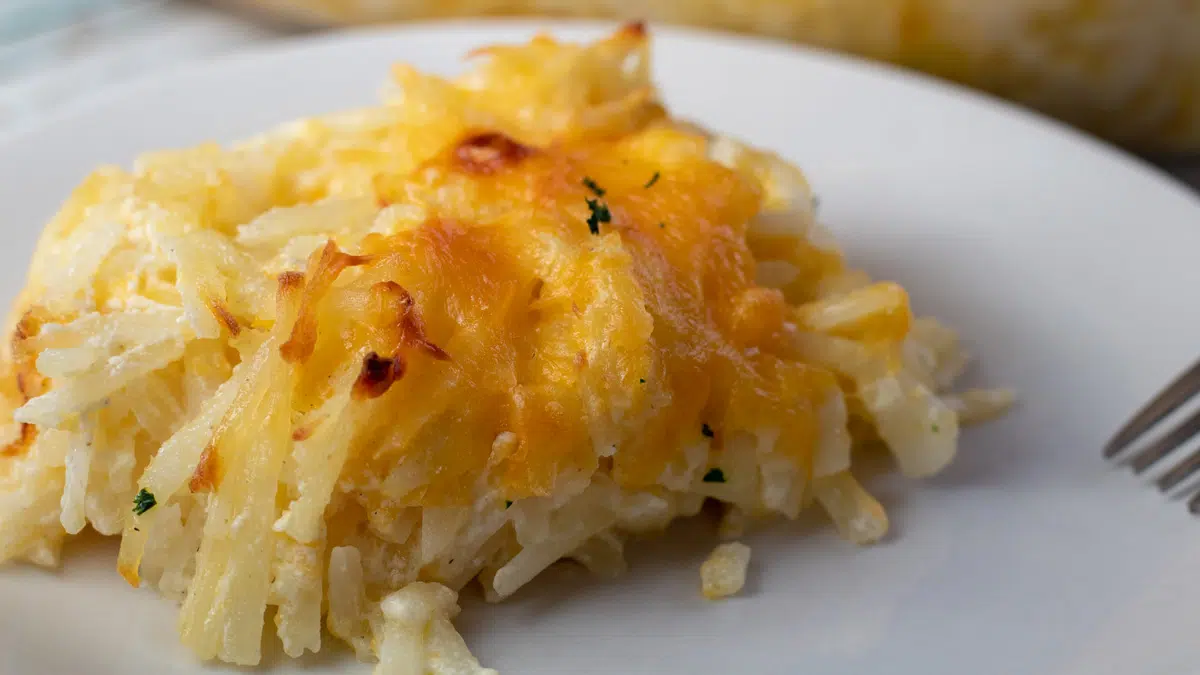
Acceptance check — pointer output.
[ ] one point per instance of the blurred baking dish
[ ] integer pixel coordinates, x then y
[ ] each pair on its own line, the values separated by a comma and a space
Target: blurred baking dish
1128, 70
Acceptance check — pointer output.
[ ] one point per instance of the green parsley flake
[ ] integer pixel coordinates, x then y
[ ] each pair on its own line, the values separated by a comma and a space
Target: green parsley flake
714, 476
653, 180
706, 431
661, 225
936, 428
507, 503
642, 380
143, 501
591, 185
600, 214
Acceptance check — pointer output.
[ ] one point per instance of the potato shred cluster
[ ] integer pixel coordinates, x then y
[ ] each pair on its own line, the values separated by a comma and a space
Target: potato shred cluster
335, 373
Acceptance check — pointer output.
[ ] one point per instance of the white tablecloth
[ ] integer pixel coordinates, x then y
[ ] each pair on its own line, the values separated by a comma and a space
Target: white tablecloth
53, 52
71, 48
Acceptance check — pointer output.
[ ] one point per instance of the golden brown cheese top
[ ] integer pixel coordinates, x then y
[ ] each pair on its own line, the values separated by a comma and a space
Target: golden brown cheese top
633, 335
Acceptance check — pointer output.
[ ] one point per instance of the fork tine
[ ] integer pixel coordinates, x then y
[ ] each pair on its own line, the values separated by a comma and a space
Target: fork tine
1194, 504
1180, 472
1164, 446
1167, 402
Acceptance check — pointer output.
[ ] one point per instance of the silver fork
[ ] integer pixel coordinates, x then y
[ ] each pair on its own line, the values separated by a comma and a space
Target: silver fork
1168, 401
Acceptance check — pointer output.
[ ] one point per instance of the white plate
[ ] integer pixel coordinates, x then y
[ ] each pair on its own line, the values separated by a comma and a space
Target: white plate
1071, 268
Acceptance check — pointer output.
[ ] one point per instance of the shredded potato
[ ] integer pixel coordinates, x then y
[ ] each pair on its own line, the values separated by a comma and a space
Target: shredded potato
724, 573
348, 367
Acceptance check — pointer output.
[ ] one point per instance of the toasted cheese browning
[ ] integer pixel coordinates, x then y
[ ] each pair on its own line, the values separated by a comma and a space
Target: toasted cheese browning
620, 344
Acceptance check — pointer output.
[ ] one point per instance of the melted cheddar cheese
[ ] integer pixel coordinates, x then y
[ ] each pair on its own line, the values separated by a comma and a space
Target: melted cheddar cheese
623, 343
